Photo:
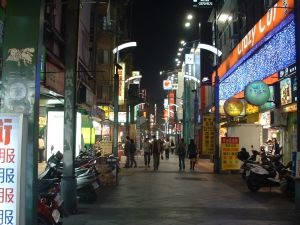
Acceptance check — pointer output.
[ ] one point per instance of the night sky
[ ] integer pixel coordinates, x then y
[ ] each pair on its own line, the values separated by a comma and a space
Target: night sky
158, 27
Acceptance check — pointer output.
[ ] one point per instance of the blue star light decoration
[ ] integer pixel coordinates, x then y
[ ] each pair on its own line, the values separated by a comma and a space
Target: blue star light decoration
272, 54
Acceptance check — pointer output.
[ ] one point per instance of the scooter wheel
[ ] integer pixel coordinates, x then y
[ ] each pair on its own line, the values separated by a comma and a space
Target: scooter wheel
252, 186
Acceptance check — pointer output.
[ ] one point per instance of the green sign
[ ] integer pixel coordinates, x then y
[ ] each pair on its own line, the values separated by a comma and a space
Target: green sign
257, 93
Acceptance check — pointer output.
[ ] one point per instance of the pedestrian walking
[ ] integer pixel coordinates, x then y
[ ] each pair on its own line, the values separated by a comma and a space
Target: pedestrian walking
156, 153
132, 153
167, 147
181, 151
173, 147
127, 151
147, 152
42, 151
161, 142
192, 153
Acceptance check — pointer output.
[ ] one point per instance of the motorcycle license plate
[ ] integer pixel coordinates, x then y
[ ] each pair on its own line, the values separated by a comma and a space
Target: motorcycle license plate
55, 215
247, 173
95, 185
59, 200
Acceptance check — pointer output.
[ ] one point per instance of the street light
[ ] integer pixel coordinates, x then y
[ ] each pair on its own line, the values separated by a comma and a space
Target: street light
116, 93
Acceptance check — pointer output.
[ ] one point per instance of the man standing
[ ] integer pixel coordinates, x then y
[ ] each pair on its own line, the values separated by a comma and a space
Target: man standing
181, 154
127, 149
155, 152
147, 152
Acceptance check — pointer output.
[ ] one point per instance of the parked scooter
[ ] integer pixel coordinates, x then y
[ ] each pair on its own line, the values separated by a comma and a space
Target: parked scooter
86, 178
263, 175
50, 203
248, 161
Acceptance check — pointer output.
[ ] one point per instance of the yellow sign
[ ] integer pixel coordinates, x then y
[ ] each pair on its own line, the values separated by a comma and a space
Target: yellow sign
233, 107
208, 135
42, 121
106, 110
250, 109
229, 148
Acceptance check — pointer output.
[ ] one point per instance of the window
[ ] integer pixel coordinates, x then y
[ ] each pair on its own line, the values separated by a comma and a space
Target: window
103, 56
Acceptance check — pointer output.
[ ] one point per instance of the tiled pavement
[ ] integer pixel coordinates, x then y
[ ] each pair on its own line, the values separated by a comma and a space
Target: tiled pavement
170, 197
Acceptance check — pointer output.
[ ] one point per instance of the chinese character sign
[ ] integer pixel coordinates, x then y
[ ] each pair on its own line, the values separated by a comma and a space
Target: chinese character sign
229, 149
10, 132
208, 135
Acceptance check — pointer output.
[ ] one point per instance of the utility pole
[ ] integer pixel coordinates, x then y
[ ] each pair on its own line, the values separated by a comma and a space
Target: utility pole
216, 100
68, 179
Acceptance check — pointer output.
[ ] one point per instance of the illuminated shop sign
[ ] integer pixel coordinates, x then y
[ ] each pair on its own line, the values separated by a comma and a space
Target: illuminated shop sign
261, 29
167, 85
203, 3
270, 103
233, 107
265, 119
294, 88
121, 73
257, 93
121, 117
10, 168
286, 91
288, 71
290, 108
250, 109
265, 62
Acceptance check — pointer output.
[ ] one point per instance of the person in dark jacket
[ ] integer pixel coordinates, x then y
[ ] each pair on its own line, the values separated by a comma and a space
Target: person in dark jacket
192, 153
156, 152
132, 154
127, 151
181, 151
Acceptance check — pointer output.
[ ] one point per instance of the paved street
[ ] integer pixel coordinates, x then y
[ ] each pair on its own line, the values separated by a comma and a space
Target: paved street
170, 197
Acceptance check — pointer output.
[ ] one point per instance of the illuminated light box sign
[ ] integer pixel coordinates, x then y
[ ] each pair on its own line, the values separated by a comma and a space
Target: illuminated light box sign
257, 93
55, 133
121, 117
167, 85
203, 3
233, 107
11, 126
286, 91
270, 103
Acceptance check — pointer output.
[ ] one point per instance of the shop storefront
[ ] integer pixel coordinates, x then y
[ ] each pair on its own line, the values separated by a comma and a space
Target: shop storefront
267, 53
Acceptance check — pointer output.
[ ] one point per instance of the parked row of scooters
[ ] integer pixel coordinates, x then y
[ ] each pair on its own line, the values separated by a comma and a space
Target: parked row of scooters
269, 172
50, 201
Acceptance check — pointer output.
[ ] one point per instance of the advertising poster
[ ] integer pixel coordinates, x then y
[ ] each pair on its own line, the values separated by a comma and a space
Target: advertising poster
10, 168
229, 148
208, 135
286, 91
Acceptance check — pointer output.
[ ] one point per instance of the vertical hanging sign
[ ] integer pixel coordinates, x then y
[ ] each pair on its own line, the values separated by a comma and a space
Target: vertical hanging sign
10, 168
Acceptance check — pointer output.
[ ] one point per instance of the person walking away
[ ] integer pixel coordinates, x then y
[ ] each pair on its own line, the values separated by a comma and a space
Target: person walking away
167, 147
147, 152
181, 151
127, 151
172, 147
132, 153
156, 153
192, 153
